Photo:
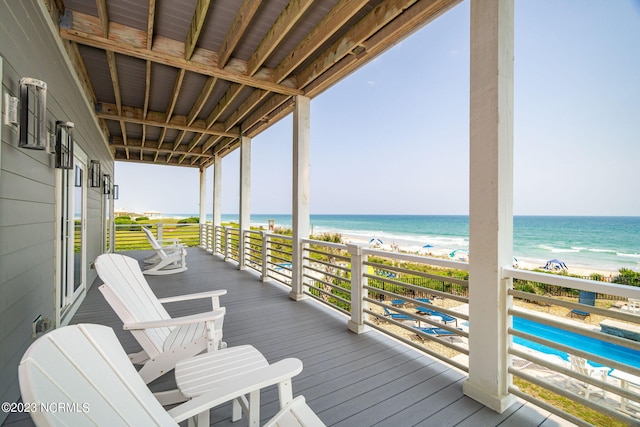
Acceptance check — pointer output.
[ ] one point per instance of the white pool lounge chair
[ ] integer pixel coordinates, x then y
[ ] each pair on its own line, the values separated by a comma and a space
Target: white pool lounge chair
164, 340
166, 259
84, 370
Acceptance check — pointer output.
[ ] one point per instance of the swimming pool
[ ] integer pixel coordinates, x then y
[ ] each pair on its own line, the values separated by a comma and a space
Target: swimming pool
601, 348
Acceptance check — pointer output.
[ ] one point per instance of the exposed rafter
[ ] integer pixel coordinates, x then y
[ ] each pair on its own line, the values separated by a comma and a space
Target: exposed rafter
242, 88
285, 22
243, 18
126, 41
197, 21
154, 118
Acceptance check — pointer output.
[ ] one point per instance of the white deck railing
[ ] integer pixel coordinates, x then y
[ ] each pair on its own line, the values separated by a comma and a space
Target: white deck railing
394, 292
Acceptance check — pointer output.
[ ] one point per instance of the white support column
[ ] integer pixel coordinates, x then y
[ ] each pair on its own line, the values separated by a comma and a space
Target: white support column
245, 195
491, 200
301, 217
217, 199
203, 209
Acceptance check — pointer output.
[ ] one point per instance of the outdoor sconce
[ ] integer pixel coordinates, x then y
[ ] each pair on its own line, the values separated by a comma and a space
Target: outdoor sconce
106, 182
94, 174
78, 177
64, 145
116, 191
33, 111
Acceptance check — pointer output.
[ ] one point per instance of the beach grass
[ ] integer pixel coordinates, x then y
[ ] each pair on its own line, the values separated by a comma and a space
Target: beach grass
567, 405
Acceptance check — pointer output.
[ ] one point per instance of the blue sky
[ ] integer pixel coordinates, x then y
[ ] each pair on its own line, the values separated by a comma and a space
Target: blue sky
393, 138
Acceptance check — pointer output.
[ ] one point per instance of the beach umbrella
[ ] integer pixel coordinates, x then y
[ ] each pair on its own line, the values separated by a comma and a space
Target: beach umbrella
427, 246
555, 264
453, 254
374, 240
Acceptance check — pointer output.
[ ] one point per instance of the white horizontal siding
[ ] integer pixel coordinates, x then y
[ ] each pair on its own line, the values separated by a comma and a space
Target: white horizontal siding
29, 47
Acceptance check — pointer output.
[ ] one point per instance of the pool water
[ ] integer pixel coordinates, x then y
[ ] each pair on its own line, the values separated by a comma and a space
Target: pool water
601, 348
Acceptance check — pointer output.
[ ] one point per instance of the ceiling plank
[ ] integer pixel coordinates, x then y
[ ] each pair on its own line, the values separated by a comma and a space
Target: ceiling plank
278, 31
197, 21
132, 42
243, 18
336, 18
108, 111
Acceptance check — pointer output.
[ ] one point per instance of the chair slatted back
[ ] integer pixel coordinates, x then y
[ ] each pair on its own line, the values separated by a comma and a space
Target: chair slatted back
127, 291
154, 243
85, 369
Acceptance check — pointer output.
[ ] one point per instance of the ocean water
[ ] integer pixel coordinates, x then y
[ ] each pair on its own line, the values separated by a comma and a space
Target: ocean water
608, 243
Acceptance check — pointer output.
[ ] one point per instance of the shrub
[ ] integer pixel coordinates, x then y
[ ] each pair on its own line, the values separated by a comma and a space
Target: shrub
190, 220
142, 218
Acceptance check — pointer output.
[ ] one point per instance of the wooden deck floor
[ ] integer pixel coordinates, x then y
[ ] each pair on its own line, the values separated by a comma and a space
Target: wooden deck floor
348, 379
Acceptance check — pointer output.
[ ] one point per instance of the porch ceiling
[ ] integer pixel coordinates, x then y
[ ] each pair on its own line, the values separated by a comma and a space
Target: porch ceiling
178, 81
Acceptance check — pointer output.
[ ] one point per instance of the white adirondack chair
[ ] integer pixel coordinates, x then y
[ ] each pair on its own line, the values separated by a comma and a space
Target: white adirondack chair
166, 259
580, 365
80, 375
164, 340
295, 414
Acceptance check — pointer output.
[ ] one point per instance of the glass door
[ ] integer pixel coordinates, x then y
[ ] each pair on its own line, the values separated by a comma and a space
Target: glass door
72, 250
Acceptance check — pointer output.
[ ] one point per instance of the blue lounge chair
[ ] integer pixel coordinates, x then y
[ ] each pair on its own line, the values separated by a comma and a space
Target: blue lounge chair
445, 317
421, 309
436, 332
586, 298
397, 316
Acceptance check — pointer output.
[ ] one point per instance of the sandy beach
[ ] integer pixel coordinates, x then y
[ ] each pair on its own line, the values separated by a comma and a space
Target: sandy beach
436, 252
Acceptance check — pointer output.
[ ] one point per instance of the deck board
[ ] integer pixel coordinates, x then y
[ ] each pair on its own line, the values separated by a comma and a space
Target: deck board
348, 379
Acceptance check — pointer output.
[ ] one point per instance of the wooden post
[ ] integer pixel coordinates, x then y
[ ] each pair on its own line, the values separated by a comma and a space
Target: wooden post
491, 201
203, 210
358, 291
301, 213
245, 197
217, 200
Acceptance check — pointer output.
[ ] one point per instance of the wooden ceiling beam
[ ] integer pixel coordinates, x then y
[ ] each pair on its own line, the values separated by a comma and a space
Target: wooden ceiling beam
375, 20
165, 148
411, 20
177, 85
151, 11
103, 17
201, 100
154, 118
334, 20
278, 31
197, 21
262, 113
230, 95
243, 18
132, 42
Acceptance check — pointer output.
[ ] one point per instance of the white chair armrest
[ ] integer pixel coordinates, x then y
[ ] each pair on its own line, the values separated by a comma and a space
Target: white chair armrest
177, 321
198, 295
237, 386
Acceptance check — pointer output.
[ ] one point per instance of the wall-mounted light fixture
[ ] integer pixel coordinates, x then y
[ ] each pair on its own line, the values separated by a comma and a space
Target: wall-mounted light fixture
94, 174
33, 114
64, 145
116, 192
106, 184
